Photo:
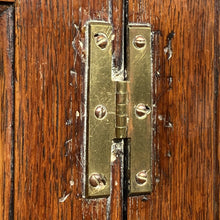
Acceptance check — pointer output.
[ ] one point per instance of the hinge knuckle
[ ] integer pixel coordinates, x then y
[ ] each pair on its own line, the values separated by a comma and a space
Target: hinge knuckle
121, 109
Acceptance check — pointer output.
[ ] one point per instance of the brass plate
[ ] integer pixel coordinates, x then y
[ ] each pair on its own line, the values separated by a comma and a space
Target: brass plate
101, 109
139, 90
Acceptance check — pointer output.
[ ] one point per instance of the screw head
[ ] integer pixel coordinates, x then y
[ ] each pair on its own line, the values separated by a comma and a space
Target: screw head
101, 40
142, 110
139, 42
100, 112
141, 177
97, 180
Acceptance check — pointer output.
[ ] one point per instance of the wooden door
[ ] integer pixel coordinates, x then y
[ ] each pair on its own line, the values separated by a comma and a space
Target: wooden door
42, 109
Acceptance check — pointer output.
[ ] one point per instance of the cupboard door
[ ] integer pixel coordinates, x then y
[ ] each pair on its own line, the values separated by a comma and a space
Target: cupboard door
49, 108
186, 114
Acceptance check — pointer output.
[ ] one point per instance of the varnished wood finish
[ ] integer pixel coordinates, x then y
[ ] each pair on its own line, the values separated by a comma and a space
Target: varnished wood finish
7, 0
117, 20
49, 109
217, 110
116, 197
6, 109
47, 140
185, 165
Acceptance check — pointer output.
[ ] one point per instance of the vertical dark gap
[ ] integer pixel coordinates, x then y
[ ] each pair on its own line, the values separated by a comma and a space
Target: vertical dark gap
9, 9
125, 178
126, 142
216, 113
125, 11
12, 47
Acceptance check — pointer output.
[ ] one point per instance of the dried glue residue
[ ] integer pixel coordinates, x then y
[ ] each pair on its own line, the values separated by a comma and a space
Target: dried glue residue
112, 37
113, 157
117, 150
160, 117
69, 122
64, 197
71, 183
73, 73
168, 49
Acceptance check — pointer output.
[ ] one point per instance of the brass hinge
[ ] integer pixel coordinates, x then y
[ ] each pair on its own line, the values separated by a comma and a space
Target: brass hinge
118, 109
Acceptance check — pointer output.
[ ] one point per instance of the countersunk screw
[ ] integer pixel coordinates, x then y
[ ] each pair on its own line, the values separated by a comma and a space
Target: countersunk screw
97, 180
141, 177
139, 42
101, 40
142, 111
100, 112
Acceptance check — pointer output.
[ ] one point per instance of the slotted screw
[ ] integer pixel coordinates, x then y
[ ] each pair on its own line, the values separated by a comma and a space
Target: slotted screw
101, 40
100, 112
142, 111
141, 177
97, 180
139, 42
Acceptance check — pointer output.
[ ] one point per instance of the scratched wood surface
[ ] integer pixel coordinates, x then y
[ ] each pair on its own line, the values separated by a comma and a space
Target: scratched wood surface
6, 109
7, 1
186, 127
217, 109
49, 108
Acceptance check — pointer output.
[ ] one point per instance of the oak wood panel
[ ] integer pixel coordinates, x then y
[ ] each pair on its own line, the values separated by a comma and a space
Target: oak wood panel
217, 110
7, 0
117, 20
116, 197
49, 109
185, 169
6, 109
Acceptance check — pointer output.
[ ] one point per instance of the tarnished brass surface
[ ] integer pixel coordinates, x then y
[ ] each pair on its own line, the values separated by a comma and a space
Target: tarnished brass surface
101, 97
118, 109
139, 91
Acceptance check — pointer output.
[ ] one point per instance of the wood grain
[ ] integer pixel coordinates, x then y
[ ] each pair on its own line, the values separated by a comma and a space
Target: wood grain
117, 20
117, 175
50, 60
7, 0
49, 109
6, 110
216, 152
185, 169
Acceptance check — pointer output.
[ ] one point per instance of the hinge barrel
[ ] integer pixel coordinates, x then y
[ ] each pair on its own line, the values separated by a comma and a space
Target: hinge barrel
121, 109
